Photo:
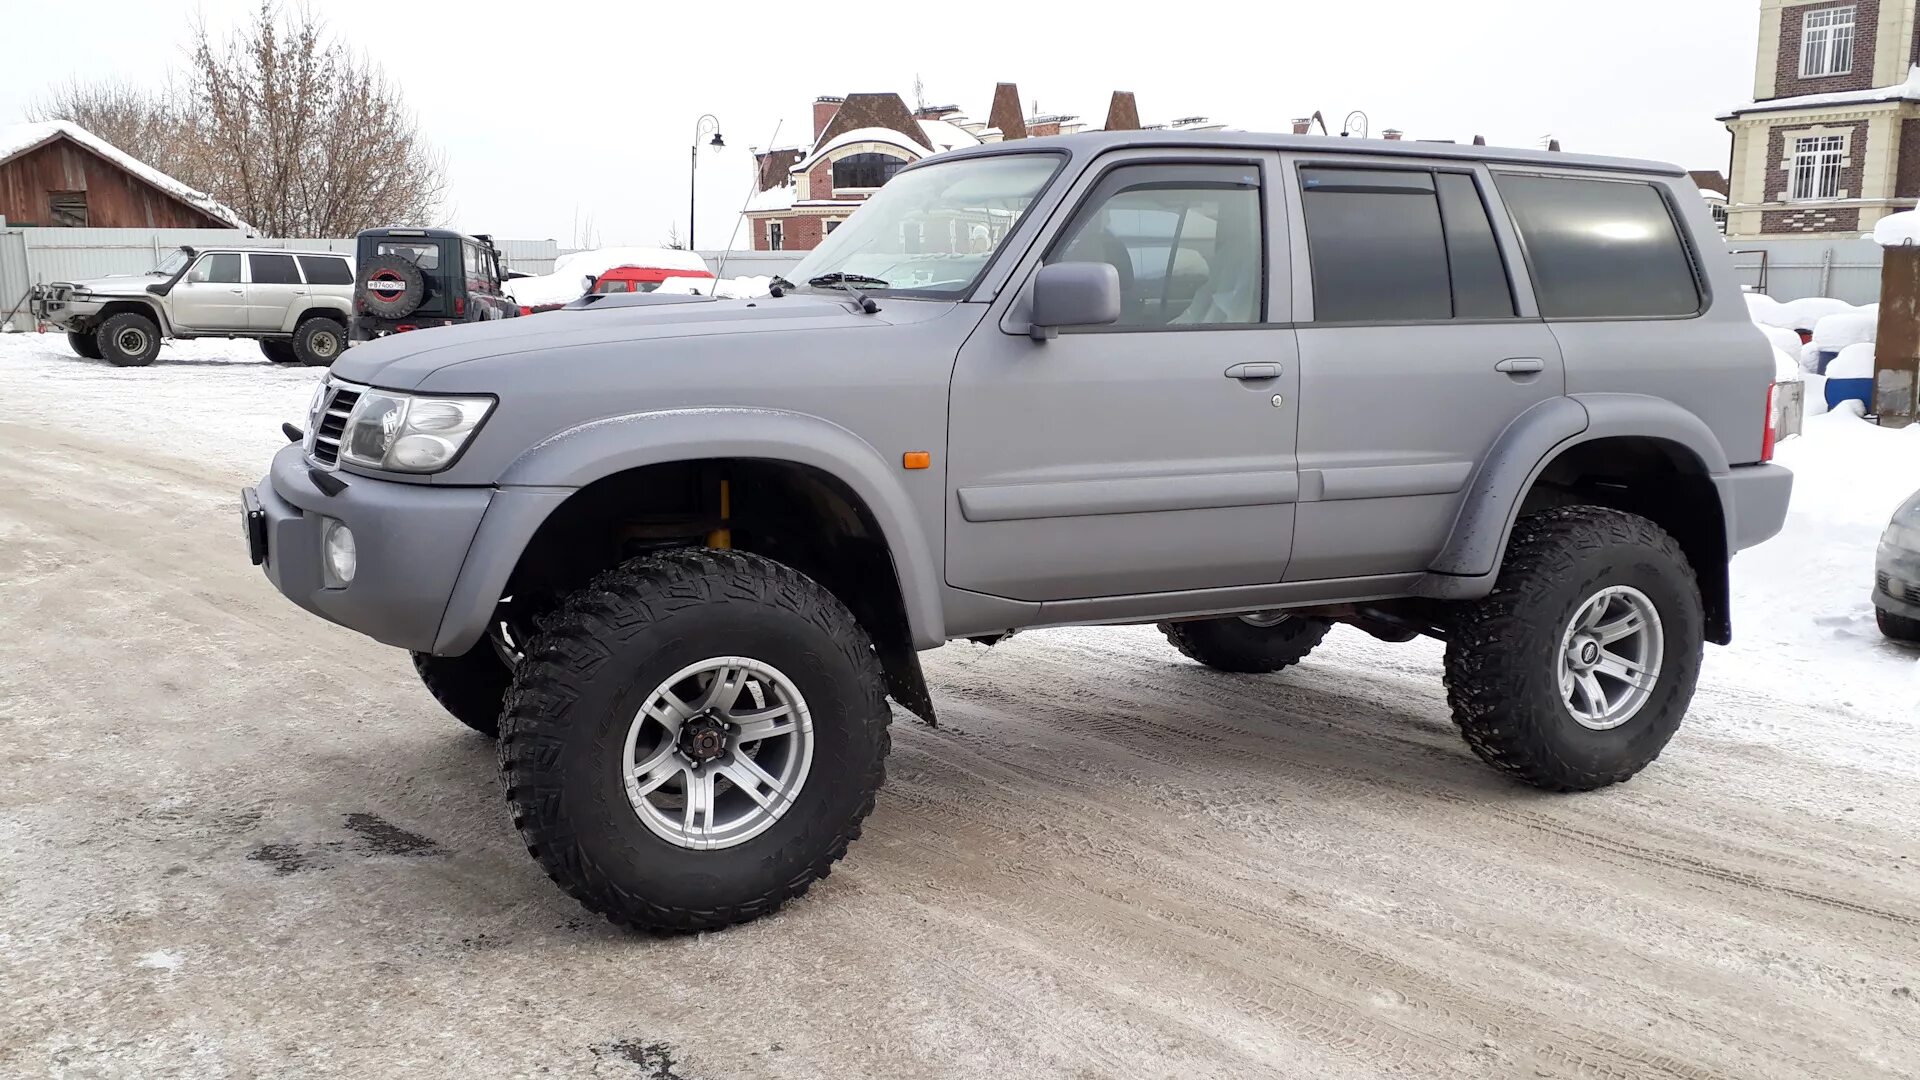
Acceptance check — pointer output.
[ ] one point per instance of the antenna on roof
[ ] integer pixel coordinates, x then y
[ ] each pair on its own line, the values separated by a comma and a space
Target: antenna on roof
753, 187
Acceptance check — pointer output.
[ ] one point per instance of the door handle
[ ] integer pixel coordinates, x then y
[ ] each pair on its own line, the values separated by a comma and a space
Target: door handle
236, 292
1253, 372
1522, 365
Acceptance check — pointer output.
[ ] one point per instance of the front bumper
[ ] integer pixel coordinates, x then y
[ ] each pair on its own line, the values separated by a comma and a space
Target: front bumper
412, 541
1896, 581
56, 305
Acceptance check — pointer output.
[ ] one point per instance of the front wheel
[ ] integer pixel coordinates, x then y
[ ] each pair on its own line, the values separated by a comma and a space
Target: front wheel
1898, 627
84, 346
278, 351
694, 739
1578, 668
129, 339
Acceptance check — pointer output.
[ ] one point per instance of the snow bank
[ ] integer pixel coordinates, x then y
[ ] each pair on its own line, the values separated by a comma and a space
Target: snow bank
744, 288
1785, 367
1806, 312
1836, 332
1898, 230
545, 289
687, 286
1854, 362
1783, 339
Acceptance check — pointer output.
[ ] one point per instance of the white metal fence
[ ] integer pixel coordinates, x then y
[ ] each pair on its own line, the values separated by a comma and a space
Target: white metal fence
1791, 268
38, 256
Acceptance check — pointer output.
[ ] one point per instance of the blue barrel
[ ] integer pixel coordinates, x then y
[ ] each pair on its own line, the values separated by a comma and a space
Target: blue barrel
1839, 390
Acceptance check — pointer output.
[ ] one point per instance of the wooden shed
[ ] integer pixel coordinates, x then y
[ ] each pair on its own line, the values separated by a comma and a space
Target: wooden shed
59, 174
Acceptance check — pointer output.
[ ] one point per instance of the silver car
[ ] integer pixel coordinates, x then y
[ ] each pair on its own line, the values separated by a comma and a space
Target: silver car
1896, 575
295, 303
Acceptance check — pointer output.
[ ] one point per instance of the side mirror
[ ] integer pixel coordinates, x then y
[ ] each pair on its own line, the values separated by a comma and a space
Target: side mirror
1074, 294
587, 282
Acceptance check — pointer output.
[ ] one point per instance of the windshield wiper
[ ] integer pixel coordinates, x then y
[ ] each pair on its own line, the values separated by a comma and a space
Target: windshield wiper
848, 282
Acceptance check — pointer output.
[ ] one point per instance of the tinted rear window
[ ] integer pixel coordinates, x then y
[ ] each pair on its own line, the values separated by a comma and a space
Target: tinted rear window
321, 270
1601, 248
273, 270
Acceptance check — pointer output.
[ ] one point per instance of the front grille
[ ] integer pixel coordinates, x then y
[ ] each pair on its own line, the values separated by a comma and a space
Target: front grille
332, 423
1908, 591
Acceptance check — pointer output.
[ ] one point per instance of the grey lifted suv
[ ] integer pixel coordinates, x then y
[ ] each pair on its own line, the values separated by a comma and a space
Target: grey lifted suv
1240, 386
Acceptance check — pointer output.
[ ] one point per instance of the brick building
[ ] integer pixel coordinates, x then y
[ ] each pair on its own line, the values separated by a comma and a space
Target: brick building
57, 174
1830, 143
861, 140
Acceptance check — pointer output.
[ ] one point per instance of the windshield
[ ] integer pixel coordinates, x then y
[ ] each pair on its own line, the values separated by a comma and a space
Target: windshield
931, 230
171, 265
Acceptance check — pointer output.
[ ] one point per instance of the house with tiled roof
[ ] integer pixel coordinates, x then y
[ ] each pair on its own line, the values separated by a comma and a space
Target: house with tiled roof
861, 140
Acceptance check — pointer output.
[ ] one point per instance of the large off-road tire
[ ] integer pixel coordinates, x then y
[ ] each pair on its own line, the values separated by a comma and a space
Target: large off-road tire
278, 351
85, 346
390, 286
471, 686
1252, 644
129, 339
1898, 627
319, 341
614, 701
1527, 691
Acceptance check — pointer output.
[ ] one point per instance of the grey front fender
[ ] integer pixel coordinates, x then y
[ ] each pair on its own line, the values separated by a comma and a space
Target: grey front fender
1525, 449
544, 476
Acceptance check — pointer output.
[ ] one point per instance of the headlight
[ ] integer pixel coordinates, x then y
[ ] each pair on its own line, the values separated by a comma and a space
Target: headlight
1902, 537
404, 433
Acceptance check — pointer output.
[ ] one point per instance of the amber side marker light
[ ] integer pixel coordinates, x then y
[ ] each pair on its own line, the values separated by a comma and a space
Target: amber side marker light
916, 459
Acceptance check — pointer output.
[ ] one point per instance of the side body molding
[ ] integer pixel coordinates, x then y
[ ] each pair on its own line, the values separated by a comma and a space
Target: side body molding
1530, 444
539, 480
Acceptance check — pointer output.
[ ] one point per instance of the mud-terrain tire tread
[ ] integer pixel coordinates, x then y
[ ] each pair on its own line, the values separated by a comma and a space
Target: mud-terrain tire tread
109, 330
578, 638
1897, 627
303, 340
1231, 645
1497, 696
472, 687
278, 351
85, 346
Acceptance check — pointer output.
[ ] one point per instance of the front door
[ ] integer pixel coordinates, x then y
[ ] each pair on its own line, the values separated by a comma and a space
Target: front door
1416, 358
212, 296
1153, 455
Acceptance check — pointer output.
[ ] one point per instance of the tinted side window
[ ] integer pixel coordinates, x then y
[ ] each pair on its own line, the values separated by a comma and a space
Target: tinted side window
1186, 241
321, 270
1378, 250
1601, 248
273, 270
222, 268
1480, 288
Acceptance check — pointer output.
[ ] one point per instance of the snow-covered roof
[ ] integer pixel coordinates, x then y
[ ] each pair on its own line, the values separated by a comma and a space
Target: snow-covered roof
600, 260
20, 138
1898, 230
948, 136
860, 135
1711, 195
774, 198
1906, 91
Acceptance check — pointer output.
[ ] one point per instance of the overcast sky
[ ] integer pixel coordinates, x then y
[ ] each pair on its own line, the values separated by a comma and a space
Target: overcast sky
553, 113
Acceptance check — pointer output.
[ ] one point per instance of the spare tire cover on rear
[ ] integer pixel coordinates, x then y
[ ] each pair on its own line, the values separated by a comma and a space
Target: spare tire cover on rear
391, 286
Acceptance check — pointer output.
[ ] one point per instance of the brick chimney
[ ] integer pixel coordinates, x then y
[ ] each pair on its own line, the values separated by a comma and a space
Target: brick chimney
825, 108
1393, 134
1301, 127
1122, 113
1006, 113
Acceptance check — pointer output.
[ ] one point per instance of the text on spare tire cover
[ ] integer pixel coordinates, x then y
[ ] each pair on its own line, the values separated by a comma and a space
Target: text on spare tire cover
386, 283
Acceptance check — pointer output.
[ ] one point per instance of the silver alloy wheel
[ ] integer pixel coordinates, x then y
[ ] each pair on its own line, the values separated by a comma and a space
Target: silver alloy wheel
1610, 657
1265, 619
132, 341
718, 753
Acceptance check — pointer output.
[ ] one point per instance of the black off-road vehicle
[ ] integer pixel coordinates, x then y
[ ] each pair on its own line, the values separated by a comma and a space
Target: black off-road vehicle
410, 279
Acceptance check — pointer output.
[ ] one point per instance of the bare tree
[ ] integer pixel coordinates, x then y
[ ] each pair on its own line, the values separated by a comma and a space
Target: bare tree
300, 134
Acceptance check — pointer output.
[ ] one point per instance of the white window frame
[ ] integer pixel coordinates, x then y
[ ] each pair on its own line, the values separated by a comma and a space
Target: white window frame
776, 235
1826, 42
1818, 161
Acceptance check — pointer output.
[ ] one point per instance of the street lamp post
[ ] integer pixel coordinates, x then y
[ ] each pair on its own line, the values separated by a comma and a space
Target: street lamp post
700, 127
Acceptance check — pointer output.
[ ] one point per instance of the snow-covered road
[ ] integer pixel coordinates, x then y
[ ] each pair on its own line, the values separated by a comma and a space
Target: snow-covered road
237, 840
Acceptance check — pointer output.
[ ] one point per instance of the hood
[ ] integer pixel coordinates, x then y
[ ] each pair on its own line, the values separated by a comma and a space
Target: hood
463, 358
116, 284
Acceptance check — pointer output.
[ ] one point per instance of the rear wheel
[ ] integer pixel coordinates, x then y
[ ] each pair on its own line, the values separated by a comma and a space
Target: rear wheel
278, 351
1577, 670
84, 345
1252, 644
694, 739
128, 340
318, 341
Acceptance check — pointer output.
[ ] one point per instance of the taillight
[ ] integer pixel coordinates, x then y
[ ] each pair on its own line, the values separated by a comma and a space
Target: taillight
459, 305
1773, 424
406, 326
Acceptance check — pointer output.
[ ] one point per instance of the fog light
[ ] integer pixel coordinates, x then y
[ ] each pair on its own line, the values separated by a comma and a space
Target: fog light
336, 544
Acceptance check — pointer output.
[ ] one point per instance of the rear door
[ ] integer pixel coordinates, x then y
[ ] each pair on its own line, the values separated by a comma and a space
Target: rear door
1419, 344
1153, 455
212, 295
273, 287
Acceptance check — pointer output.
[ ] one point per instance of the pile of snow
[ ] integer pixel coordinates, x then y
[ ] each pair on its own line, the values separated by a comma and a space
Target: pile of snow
1835, 332
597, 261
687, 286
19, 138
1785, 367
1783, 339
744, 288
1898, 230
1854, 362
1802, 314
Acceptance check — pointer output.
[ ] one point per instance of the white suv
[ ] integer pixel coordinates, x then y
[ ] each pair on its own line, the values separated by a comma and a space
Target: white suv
296, 303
